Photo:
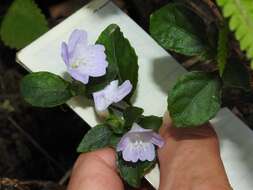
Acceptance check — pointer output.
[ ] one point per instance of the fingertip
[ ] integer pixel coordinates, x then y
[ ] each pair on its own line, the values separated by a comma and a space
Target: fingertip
106, 155
95, 166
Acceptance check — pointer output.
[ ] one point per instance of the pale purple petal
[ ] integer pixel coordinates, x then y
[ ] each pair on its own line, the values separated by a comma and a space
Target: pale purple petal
64, 53
157, 140
124, 141
138, 144
95, 61
101, 102
130, 154
77, 37
79, 77
83, 60
123, 90
107, 96
112, 87
150, 152
147, 152
93, 70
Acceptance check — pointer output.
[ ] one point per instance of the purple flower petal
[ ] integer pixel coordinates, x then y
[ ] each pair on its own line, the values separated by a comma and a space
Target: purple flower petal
64, 53
138, 144
77, 37
83, 60
157, 140
122, 143
123, 90
80, 77
130, 154
101, 103
147, 152
110, 94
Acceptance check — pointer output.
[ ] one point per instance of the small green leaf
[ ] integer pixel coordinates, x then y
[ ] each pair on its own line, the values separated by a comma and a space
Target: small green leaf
122, 59
22, 24
151, 122
44, 89
131, 115
173, 29
96, 138
222, 51
194, 99
132, 173
236, 75
116, 124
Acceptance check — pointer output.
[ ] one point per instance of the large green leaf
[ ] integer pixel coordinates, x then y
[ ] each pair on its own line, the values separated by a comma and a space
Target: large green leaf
173, 29
123, 61
132, 173
194, 99
96, 138
44, 89
22, 24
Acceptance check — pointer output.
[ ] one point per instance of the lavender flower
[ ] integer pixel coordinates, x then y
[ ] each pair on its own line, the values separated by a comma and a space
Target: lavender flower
83, 60
138, 144
112, 93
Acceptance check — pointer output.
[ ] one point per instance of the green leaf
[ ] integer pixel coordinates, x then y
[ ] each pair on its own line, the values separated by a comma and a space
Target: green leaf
131, 115
22, 24
240, 16
122, 59
115, 140
151, 122
44, 89
236, 75
132, 173
116, 124
223, 49
171, 26
194, 99
96, 138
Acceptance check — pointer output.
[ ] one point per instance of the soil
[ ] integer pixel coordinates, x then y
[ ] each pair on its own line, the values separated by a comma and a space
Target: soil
38, 145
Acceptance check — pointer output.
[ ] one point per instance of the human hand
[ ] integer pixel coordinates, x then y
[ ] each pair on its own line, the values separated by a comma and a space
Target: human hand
190, 159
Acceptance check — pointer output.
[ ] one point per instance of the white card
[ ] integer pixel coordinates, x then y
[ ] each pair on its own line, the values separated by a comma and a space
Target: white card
157, 73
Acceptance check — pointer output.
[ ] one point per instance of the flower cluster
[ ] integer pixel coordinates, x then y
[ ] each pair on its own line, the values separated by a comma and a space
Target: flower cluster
84, 61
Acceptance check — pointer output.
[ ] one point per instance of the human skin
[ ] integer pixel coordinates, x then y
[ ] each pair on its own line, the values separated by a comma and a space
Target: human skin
189, 160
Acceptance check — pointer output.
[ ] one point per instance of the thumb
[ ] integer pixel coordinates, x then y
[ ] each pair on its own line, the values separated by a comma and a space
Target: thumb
191, 154
95, 170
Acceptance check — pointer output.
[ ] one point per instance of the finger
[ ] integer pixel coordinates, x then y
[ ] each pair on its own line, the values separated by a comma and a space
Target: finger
96, 171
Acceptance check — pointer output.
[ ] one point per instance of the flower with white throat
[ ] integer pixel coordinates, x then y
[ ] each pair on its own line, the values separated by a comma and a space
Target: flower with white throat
83, 60
139, 144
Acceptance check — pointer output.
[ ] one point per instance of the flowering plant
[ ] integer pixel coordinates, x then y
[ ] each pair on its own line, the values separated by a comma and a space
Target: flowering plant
107, 73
